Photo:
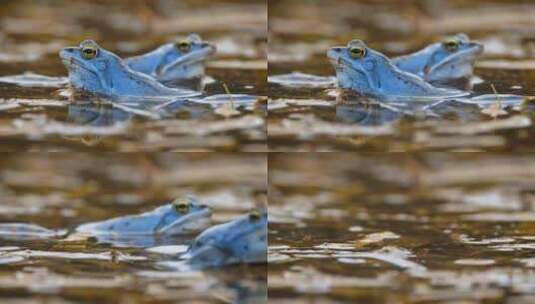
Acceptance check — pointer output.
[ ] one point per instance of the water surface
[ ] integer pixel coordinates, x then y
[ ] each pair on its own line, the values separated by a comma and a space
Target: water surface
386, 228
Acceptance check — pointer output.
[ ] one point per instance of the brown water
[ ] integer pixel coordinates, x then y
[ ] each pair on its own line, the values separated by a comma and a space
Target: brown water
61, 191
419, 228
37, 118
312, 118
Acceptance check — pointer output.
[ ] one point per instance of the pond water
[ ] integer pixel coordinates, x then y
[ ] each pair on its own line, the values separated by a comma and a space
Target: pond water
36, 113
385, 228
307, 112
61, 191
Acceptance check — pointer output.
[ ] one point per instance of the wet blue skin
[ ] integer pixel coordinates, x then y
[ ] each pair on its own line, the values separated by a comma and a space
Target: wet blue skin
96, 70
25, 231
453, 58
243, 240
371, 73
183, 216
174, 62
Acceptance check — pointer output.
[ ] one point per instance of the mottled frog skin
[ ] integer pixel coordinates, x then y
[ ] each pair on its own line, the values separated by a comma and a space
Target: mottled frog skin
175, 62
243, 240
371, 73
182, 216
441, 62
95, 70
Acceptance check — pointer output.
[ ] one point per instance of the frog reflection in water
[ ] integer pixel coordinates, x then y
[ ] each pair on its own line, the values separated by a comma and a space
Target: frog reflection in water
243, 240
109, 114
96, 70
178, 63
183, 216
442, 62
369, 72
99, 115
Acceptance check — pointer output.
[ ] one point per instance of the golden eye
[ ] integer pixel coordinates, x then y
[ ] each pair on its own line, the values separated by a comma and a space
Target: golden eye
89, 52
182, 207
254, 216
451, 45
183, 45
357, 52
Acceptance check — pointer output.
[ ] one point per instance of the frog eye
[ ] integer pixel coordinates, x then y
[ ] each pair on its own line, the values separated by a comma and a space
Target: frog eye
451, 45
89, 52
182, 207
357, 52
183, 45
254, 216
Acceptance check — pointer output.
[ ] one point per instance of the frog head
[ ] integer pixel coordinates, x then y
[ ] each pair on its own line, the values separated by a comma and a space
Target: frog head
184, 215
91, 68
183, 59
359, 67
452, 58
243, 240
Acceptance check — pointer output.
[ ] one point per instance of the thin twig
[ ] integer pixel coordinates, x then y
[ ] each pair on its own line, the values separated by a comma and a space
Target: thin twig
229, 94
497, 96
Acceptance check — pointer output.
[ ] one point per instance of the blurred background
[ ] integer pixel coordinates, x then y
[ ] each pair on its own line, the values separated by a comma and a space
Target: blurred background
401, 228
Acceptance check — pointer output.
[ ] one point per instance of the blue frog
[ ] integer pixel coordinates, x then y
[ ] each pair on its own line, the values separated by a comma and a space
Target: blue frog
243, 240
451, 59
182, 61
369, 72
183, 216
96, 70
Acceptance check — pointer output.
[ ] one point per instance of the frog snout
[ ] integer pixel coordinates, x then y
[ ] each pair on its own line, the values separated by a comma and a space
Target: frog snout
335, 53
66, 52
209, 46
477, 46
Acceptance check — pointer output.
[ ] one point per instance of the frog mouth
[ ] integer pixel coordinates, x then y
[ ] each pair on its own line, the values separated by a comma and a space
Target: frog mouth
334, 58
209, 255
340, 64
336, 62
188, 223
466, 56
195, 57
71, 62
